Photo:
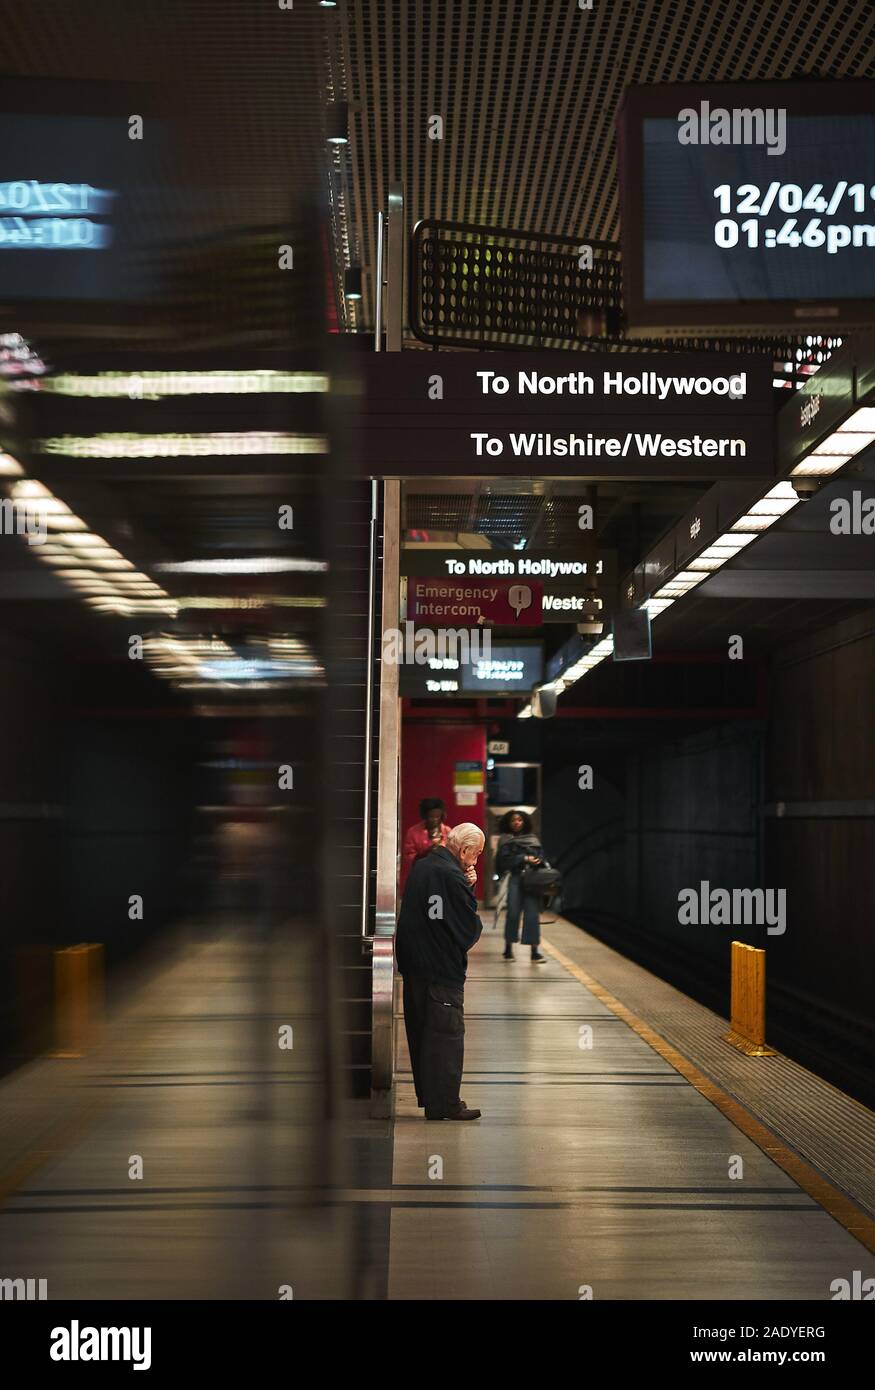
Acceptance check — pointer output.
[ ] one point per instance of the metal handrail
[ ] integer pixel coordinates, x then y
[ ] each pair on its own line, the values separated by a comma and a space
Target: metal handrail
609, 251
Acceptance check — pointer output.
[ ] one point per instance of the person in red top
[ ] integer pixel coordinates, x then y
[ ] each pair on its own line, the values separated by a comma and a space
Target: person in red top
431, 830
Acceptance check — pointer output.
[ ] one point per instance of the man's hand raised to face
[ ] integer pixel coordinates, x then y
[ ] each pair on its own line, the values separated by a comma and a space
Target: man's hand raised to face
471, 874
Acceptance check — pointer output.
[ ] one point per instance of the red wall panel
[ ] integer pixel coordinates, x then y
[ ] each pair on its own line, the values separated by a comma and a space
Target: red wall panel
429, 753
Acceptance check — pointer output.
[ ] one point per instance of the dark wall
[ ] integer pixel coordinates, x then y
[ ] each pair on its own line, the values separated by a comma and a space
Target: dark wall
820, 846
670, 806
128, 826
783, 803
32, 798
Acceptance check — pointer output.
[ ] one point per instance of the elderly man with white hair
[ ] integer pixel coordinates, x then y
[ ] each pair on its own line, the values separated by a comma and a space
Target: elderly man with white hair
437, 926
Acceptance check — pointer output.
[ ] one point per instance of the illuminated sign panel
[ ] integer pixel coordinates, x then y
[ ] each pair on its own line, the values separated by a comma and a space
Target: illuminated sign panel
594, 415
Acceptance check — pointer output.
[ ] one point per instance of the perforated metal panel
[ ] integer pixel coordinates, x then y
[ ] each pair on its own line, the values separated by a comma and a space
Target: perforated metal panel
527, 93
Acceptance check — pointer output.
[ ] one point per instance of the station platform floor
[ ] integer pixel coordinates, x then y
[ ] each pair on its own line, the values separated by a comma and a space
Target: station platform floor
653, 1162
611, 1168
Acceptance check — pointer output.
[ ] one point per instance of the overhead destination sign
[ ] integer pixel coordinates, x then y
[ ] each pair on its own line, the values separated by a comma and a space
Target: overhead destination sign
559, 581
609, 415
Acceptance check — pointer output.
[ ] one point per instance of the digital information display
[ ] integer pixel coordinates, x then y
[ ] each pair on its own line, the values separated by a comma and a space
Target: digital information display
730, 222
511, 668
748, 205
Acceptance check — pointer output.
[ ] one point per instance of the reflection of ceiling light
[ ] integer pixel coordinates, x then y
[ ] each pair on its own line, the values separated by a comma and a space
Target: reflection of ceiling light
153, 386
10, 467
87, 564
251, 601
153, 446
352, 282
204, 662
337, 123
267, 564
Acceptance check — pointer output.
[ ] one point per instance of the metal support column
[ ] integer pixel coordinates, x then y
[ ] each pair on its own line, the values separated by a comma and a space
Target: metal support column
395, 270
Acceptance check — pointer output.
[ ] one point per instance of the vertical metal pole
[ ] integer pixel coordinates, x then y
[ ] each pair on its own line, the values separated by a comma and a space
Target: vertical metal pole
383, 965
378, 288
369, 709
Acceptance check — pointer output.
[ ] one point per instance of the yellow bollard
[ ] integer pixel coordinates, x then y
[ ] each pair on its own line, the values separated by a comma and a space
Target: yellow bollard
78, 999
747, 1030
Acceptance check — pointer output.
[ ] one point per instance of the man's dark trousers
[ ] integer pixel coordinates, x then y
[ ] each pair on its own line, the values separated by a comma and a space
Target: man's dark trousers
434, 1017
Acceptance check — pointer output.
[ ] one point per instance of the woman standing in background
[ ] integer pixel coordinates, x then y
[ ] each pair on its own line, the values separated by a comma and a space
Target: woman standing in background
431, 830
519, 847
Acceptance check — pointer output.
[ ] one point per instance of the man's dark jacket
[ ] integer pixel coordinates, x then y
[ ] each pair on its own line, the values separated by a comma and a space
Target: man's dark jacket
438, 922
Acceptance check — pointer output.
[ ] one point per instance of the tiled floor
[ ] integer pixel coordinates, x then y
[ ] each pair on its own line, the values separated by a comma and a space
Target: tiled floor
594, 1167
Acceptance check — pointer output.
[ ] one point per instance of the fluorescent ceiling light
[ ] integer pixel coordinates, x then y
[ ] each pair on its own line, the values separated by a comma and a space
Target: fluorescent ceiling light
842, 443
862, 419
820, 465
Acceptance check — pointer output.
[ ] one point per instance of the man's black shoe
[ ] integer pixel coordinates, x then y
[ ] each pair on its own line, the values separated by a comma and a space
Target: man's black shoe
539, 959
463, 1113
507, 955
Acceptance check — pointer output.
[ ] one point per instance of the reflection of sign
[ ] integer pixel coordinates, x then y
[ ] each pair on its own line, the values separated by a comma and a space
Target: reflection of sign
462, 603
498, 747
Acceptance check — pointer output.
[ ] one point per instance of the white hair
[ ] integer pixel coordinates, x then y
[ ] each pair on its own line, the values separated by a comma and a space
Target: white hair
465, 836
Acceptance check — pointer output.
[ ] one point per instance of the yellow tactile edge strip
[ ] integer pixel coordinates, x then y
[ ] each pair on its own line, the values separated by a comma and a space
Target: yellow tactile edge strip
835, 1202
